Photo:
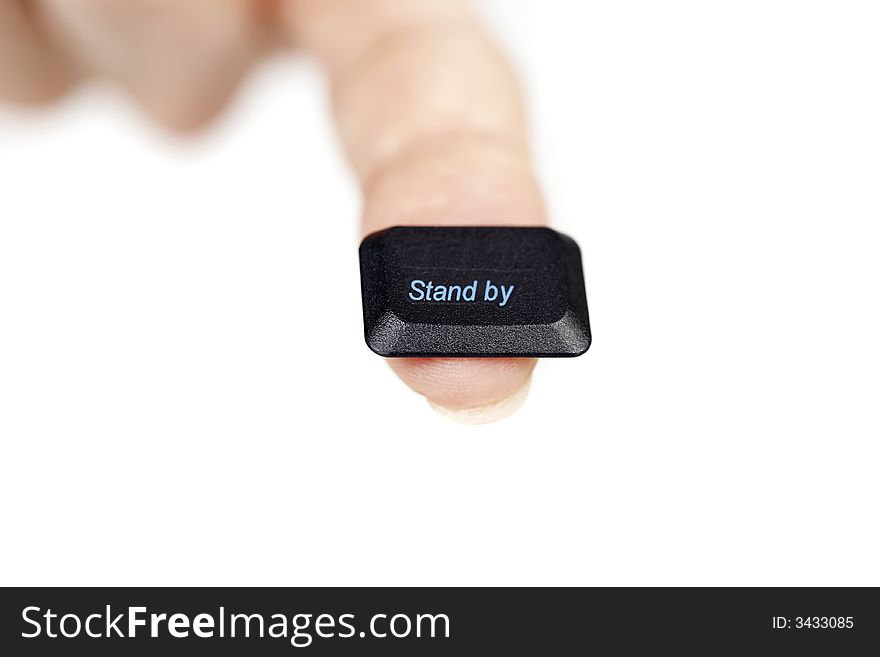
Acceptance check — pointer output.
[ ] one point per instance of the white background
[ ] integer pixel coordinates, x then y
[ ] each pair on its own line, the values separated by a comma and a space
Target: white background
186, 398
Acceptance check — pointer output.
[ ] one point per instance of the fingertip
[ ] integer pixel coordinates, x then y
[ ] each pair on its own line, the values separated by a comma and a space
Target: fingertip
486, 414
466, 385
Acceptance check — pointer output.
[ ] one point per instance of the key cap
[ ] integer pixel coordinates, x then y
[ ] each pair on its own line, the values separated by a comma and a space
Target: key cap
473, 291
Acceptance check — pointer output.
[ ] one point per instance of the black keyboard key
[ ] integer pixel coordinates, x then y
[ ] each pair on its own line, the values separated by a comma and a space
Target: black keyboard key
473, 292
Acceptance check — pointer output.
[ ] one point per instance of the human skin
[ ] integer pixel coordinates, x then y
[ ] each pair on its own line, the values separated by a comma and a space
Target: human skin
427, 108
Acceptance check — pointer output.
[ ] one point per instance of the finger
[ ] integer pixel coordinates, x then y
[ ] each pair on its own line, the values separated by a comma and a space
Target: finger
431, 119
180, 60
30, 70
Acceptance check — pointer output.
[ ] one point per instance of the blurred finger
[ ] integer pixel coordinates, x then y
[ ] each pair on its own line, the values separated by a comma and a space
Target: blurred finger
30, 70
180, 60
432, 121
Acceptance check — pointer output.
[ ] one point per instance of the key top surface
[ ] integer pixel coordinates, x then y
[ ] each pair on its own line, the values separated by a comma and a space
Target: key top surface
473, 291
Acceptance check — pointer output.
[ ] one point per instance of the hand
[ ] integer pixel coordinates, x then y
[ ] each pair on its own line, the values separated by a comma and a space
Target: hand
428, 111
